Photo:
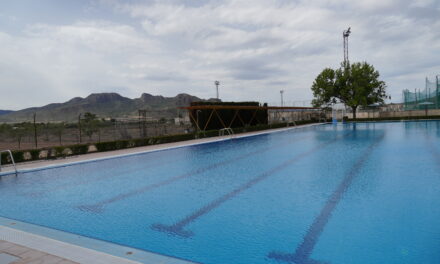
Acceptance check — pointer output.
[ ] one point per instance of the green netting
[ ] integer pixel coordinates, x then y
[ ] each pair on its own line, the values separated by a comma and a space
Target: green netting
428, 98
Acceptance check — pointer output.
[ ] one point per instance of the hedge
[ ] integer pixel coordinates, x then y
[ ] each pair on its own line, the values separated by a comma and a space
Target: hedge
79, 149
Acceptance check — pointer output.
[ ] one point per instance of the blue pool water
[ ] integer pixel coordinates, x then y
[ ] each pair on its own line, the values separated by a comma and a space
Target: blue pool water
356, 193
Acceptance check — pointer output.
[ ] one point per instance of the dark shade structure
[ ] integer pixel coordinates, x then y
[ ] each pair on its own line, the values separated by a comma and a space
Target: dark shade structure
219, 115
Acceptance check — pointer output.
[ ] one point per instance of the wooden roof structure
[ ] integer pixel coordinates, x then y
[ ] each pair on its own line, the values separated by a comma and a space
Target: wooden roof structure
237, 109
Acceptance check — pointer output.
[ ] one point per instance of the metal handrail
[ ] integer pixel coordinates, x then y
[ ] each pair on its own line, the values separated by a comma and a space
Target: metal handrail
12, 159
221, 132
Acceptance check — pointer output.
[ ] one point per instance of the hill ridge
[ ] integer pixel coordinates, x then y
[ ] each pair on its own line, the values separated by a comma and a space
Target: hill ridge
104, 105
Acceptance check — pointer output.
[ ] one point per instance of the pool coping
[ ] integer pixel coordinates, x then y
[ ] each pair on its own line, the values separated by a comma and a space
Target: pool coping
77, 248
84, 249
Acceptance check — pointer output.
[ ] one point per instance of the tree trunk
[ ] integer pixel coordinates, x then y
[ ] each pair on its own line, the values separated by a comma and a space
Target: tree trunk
354, 112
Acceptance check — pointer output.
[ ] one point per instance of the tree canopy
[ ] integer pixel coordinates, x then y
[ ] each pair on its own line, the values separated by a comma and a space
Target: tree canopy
354, 85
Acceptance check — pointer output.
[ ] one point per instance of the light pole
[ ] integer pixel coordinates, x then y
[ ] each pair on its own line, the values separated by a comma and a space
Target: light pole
437, 86
345, 35
282, 101
217, 83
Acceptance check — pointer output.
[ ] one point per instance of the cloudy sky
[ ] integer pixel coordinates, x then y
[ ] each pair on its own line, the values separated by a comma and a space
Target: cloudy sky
53, 50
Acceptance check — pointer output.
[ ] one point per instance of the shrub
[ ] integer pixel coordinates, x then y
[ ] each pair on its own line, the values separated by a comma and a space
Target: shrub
18, 156
79, 149
35, 154
112, 145
4, 158
58, 151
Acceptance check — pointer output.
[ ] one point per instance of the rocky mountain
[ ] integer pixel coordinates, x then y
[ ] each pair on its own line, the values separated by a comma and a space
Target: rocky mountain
104, 105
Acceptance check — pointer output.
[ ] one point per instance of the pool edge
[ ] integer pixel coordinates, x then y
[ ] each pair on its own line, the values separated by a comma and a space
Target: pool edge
77, 248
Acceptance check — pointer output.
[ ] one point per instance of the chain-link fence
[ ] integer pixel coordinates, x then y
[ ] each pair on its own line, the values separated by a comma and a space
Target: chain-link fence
28, 135
428, 98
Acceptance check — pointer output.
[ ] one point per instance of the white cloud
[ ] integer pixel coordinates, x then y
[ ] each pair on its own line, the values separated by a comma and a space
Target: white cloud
254, 47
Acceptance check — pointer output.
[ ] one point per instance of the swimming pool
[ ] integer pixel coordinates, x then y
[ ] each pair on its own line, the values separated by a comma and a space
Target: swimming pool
354, 193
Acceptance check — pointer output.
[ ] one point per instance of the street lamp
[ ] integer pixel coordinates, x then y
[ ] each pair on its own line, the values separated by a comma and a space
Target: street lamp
217, 83
281, 93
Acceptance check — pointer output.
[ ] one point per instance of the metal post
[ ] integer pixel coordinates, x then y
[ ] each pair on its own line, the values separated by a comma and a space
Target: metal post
35, 131
79, 127
282, 102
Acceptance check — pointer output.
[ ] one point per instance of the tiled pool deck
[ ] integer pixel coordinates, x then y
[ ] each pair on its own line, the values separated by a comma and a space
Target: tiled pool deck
11, 253
37, 245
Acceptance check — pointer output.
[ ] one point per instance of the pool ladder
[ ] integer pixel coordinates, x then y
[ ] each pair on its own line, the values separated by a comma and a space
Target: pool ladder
12, 159
221, 132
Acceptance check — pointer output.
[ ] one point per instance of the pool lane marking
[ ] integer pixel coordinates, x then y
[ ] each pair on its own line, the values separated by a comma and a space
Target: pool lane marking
178, 227
98, 207
304, 250
37, 194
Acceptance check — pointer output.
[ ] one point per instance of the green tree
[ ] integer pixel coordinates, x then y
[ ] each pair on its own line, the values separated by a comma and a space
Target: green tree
58, 131
19, 131
90, 124
354, 85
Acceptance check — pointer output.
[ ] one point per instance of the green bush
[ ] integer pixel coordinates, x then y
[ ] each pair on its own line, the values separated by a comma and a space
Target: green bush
35, 154
79, 149
58, 151
18, 156
112, 145
4, 158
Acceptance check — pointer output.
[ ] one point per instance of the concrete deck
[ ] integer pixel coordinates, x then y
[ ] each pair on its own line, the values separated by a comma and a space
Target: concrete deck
16, 254
31, 248
35, 249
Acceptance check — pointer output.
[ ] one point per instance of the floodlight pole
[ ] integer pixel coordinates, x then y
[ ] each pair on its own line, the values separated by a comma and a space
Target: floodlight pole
436, 90
282, 101
345, 35
217, 83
